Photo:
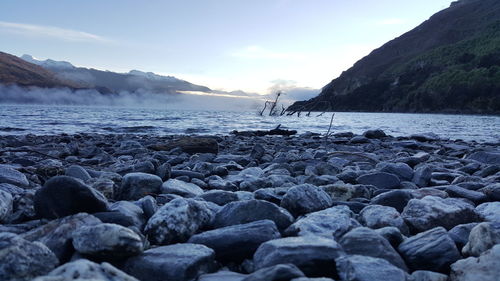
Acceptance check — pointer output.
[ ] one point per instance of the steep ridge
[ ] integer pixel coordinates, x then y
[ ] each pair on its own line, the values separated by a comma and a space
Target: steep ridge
449, 63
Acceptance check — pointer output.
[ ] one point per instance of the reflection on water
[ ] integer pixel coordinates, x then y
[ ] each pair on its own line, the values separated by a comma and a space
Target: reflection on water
22, 119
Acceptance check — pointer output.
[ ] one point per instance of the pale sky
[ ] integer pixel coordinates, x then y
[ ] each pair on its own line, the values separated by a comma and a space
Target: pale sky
223, 44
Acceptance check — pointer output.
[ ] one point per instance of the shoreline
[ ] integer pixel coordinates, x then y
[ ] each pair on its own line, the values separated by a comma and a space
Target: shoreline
140, 207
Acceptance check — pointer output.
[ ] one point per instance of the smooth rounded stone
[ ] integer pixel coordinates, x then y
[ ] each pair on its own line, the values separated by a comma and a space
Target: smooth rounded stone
83, 269
23, 260
398, 199
130, 210
6, 203
425, 275
12, 189
484, 268
402, 170
380, 180
422, 175
183, 262
9, 175
137, 185
378, 216
345, 192
489, 211
219, 197
273, 195
164, 171
241, 212
149, 206
204, 168
116, 218
78, 172
305, 198
107, 240
63, 196
222, 275
312, 279
314, 255
57, 234
482, 238
367, 242
354, 206
348, 176
432, 250
359, 139
237, 242
391, 234
335, 221
363, 268
277, 272
181, 188
375, 134
428, 191
491, 158
222, 184
191, 145
489, 171
492, 192
460, 233
189, 174
460, 192
177, 221
431, 211
105, 186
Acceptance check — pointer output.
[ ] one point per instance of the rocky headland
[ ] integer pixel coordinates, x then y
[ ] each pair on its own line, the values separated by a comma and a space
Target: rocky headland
245, 207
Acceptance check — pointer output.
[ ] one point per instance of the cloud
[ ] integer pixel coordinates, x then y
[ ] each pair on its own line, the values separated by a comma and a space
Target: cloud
51, 31
257, 52
391, 21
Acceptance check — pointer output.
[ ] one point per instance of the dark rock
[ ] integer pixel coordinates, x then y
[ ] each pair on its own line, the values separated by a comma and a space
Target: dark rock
422, 176
401, 170
148, 205
177, 221
116, 218
78, 172
363, 268
22, 260
130, 210
164, 171
482, 238
380, 180
62, 196
109, 241
378, 216
492, 192
424, 275
222, 275
258, 151
183, 262
398, 199
391, 234
241, 212
137, 185
491, 158
181, 188
375, 134
315, 256
83, 269
219, 197
190, 145
484, 268
6, 203
460, 233
237, 242
431, 211
275, 273
9, 175
460, 192
305, 198
431, 250
334, 221
189, 174
367, 242
57, 234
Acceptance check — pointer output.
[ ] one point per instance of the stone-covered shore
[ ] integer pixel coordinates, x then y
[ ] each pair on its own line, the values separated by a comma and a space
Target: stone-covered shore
348, 207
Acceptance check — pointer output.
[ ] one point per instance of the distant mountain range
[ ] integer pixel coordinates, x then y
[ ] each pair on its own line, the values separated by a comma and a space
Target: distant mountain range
448, 64
115, 82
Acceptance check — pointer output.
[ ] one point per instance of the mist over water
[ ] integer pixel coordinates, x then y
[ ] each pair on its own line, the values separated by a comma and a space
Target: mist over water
11, 94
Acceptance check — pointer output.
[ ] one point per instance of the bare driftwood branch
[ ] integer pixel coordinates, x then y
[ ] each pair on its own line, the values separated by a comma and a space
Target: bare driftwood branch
274, 132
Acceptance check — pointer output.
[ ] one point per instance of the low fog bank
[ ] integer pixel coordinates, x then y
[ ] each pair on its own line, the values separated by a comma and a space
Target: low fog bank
12, 94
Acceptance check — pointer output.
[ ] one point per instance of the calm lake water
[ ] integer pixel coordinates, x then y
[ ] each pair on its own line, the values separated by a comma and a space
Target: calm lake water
46, 120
